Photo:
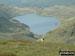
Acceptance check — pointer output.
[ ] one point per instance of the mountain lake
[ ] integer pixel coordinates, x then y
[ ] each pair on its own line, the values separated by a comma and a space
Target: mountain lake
39, 24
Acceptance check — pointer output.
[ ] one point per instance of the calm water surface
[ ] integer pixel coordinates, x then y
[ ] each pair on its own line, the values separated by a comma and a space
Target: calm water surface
39, 24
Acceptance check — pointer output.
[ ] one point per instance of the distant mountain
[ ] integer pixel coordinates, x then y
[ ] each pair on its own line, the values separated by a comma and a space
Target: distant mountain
38, 3
63, 34
61, 12
12, 29
10, 11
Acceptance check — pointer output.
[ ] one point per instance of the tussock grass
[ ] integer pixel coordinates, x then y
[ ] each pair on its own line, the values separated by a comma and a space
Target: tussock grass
29, 48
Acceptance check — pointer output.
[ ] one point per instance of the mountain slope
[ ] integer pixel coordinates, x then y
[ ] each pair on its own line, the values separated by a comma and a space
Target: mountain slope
12, 29
10, 11
38, 3
27, 48
63, 34
61, 12
11, 26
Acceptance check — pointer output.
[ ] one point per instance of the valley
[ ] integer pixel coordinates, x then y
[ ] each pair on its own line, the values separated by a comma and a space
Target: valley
24, 22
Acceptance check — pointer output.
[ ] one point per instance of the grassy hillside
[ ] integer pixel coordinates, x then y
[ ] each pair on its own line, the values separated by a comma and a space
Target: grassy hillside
28, 48
15, 36
63, 34
61, 12
12, 29
10, 11
10, 26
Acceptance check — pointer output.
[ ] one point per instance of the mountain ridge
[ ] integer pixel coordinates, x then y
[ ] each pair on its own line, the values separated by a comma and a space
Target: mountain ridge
38, 3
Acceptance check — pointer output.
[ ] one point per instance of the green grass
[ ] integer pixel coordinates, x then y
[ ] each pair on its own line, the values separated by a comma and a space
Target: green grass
65, 33
29, 48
